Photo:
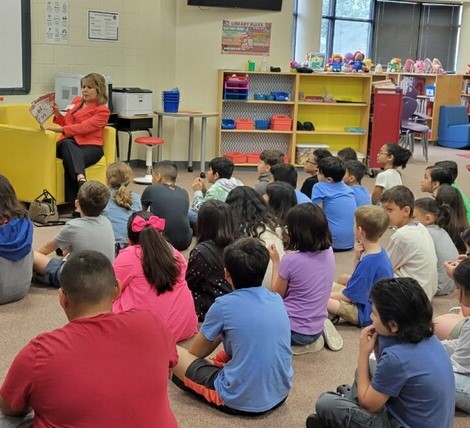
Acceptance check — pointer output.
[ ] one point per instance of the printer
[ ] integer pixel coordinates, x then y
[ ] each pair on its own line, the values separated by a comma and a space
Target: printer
132, 101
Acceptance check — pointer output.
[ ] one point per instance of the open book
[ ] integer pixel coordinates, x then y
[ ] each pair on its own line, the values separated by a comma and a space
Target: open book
41, 108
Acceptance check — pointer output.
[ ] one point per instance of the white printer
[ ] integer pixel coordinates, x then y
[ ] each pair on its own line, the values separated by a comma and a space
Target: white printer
132, 101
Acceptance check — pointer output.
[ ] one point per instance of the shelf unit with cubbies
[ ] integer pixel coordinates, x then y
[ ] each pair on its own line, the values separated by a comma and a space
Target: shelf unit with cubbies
465, 95
447, 91
255, 140
338, 124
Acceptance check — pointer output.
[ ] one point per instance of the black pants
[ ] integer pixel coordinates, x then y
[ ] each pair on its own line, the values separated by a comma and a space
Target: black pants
75, 159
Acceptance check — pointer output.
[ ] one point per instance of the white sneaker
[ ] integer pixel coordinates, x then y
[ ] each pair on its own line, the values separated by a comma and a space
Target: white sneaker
333, 339
312, 347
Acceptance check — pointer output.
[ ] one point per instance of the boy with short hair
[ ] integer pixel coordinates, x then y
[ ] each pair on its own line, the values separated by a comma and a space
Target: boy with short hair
72, 376
412, 384
171, 202
355, 171
91, 231
267, 159
256, 373
410, 248
350, 296
337, 200
347, 154
434, 176
453, 169
311, 167
219, 175
287, 173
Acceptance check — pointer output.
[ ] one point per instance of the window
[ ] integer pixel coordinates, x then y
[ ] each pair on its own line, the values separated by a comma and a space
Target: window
384, 29
416, 30
346, 26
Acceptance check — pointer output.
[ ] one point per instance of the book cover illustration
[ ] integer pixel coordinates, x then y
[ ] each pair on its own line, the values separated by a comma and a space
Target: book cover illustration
41, 108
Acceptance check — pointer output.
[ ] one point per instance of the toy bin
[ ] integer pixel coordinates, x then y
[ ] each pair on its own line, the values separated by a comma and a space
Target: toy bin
228, 124
236, 157
303, 151
280, 123
244, 124
261, 124
280, 96
252, 157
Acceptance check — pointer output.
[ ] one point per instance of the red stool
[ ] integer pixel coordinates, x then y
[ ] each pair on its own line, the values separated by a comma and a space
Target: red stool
150, 142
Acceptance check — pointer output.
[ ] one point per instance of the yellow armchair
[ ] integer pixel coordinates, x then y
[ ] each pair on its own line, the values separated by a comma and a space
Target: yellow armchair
28, 155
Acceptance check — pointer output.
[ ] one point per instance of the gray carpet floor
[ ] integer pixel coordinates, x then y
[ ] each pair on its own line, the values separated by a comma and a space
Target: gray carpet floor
313, 373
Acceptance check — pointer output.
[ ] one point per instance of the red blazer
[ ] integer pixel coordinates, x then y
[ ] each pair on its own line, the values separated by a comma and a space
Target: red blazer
86, 124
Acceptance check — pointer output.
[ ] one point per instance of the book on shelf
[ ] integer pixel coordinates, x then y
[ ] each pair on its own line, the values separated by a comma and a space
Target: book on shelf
41, 108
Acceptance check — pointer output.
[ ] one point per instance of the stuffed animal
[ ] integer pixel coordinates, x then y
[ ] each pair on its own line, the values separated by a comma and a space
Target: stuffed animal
379, 68
428, 67
336, 63
368, 64
419, 66
357, 65
409, 65
394, 65
437, 66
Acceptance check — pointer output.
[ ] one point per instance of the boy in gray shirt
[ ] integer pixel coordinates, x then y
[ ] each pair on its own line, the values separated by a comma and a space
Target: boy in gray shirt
91, 231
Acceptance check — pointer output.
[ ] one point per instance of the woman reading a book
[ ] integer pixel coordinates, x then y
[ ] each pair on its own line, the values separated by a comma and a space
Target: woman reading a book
80, 144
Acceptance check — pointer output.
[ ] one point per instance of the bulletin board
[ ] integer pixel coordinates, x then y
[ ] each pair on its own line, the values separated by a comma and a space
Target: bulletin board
15, 56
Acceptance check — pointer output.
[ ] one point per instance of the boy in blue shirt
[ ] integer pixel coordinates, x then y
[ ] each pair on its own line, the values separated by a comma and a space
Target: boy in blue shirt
337, 200
350, 296
355, 171
412, 384
256, 374
286, 172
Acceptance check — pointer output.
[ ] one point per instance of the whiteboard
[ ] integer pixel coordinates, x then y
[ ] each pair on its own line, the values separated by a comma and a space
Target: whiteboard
15, 37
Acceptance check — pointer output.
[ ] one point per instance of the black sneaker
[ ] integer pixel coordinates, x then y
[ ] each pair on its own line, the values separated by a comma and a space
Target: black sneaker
313, 421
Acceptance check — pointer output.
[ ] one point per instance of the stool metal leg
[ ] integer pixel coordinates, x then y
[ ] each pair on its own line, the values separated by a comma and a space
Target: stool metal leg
148, 163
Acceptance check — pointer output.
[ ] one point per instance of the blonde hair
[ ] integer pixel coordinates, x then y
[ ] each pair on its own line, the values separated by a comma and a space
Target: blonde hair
373, 220
118, 176
96, 81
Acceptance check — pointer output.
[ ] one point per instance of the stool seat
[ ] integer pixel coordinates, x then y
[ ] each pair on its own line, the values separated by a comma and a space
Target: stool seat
149, 141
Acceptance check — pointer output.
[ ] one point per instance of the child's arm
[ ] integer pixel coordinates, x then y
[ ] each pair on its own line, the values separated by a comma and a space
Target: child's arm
48, 247
201, 347
369, 399
376, 194
338, 295
278, 283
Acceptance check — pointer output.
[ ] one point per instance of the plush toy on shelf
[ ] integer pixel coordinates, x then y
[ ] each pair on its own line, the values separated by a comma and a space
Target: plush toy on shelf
394, 66
409, 65
368, 64
428, 67
336, 63
437, 66
419, 66
379, 68
357, 65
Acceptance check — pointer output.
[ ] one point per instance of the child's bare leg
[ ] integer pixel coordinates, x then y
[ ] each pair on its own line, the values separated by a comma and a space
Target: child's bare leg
444, 324
333, 306
40, 262
185, 358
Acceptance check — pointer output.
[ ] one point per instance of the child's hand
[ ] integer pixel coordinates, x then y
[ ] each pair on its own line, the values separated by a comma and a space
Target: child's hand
273, 253
367, 340
450, 267
198, 184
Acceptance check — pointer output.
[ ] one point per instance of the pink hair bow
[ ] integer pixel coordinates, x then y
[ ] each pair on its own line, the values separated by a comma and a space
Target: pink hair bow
155, 222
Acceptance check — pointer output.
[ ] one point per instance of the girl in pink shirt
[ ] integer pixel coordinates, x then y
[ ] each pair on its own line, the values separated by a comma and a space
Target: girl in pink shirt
152, 276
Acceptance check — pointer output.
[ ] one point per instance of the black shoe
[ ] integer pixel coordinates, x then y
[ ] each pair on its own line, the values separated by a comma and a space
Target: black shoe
81, 182
313, 421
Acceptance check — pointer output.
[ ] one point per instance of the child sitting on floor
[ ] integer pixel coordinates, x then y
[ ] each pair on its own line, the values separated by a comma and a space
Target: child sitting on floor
337, 200
152, 275
355, 171
390, 157
435, 218
311, 167
267, 159
91, 231
122, 202
410, 248
205, 274
412, 384
171, 202
249, 322
303, 278
350, 296
433, 178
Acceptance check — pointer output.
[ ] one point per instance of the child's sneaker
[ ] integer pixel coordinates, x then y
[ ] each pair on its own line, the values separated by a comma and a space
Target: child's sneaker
311, 347
313, 421
333, 339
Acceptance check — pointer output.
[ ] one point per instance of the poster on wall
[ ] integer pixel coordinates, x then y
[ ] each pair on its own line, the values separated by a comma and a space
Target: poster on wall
246, 38
103, 25
57, 22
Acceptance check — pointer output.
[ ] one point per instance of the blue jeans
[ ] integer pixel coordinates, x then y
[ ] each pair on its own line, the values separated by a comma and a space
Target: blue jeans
298, 339
462, 392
